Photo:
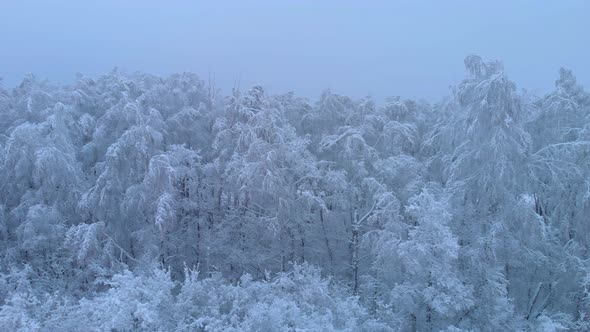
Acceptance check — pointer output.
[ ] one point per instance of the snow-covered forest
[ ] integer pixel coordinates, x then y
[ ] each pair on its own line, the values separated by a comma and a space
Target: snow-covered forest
131, 202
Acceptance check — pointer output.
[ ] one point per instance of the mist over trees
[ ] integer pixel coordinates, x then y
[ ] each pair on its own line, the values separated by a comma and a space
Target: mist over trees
131, 202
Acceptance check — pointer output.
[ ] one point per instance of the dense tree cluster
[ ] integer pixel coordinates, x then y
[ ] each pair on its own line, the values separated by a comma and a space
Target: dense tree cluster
134, 202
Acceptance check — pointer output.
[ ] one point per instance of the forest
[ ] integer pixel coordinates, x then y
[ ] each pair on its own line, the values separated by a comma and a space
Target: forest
132, 202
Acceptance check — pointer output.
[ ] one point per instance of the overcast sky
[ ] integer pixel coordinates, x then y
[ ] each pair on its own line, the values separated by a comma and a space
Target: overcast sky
379, 48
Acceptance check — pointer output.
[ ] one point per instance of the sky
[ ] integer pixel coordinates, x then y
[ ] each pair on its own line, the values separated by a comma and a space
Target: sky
413, 49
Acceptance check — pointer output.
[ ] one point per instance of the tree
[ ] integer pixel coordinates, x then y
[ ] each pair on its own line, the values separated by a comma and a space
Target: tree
421, 267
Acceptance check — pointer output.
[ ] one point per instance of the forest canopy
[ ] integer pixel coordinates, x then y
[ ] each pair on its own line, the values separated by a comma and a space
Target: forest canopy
136, 202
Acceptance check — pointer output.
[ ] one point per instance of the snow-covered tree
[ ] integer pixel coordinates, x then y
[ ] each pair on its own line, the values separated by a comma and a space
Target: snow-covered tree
137, 202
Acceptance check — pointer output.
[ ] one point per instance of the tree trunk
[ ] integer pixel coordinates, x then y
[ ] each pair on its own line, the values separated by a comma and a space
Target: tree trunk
327, 241
355, 254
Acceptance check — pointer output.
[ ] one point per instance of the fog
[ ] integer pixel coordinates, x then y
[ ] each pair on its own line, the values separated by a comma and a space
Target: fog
150, 202
413, 49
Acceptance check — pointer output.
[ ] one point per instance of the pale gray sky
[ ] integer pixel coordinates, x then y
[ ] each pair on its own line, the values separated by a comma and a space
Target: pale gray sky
408, 48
